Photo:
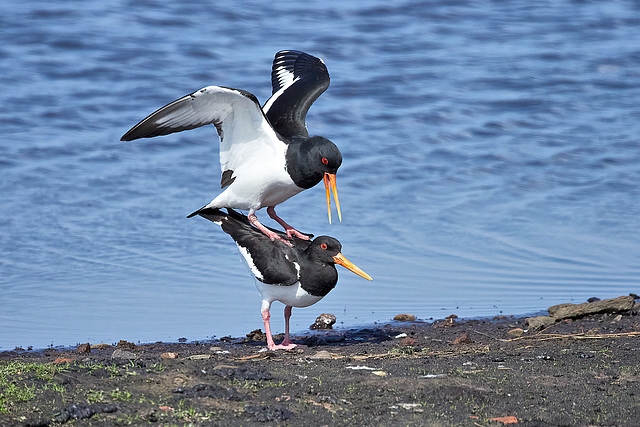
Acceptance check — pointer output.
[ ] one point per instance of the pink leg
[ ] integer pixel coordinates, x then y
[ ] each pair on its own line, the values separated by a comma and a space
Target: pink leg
267, 330
287, 341
289, 229
253, 219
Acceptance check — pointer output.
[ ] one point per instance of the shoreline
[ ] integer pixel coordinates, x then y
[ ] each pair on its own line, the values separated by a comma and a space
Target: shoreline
497, 371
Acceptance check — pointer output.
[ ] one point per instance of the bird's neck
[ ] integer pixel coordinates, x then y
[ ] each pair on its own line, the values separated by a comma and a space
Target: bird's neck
299, 164
319, 280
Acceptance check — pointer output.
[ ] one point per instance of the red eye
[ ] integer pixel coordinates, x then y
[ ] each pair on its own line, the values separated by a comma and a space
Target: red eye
325, 161
323, 246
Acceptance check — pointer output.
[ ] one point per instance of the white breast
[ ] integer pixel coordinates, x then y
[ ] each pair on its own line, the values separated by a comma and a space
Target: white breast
260, 181
292, 295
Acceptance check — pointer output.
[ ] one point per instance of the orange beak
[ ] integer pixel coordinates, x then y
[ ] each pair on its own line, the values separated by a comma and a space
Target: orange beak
340, 259
330, 184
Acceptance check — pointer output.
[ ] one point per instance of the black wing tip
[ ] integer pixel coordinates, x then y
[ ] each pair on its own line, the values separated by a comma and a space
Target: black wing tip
205, 210
136, 133
292, 53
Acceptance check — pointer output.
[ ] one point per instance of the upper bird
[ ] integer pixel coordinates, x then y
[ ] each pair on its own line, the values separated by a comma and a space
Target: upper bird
266, 154
297, 276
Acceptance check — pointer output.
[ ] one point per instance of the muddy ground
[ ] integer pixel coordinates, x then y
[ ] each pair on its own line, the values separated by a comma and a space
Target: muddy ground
449, 372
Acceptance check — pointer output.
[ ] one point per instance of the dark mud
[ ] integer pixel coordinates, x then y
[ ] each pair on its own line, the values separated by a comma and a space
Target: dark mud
451, 372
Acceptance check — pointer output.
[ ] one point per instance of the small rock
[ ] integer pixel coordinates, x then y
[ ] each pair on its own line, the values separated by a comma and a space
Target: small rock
402, 335
380, 373
256, 335
183, 339
63, 360
405, 317
324, 321
516, 332
123, 354
169, 355
573, 311
84, 348
101, 346
593, 299
539, 322
322, 354
126, 345
408, 341
463, 339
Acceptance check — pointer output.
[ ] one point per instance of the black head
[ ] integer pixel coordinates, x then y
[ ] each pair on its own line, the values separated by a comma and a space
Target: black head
310, 160
324, 249
327, 156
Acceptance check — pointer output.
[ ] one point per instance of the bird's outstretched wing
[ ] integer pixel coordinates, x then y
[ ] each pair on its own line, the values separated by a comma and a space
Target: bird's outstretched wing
236, 114
298, 79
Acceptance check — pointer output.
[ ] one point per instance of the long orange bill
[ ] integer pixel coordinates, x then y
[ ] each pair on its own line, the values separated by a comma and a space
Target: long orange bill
330, 185
340, 259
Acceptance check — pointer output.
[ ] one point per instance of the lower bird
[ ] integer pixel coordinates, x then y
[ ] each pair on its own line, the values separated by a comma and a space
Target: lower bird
299, 275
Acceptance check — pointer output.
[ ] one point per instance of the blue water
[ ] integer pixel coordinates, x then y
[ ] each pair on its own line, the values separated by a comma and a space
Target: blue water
491, 161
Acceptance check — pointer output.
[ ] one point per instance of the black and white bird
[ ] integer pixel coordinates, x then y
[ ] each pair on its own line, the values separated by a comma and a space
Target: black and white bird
298, 276
266, 154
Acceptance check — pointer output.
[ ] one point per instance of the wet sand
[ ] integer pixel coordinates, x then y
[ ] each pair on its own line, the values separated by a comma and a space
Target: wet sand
498, 371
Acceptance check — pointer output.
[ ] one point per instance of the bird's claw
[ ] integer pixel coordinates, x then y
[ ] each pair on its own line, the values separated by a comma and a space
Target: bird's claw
285, 346
293, 232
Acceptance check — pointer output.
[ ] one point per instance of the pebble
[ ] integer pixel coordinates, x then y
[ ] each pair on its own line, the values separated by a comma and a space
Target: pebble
405, 317
84, 348
463, 339
408, 341
101, 346
324, 321
322, 354
540, 322
516, 332
126, 345
169, 355
123, 354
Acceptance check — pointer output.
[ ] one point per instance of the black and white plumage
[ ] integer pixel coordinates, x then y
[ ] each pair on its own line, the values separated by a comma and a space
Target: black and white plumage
298, 276
266, 155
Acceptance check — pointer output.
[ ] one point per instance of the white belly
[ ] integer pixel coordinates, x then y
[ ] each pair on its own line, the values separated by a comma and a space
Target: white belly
292, 295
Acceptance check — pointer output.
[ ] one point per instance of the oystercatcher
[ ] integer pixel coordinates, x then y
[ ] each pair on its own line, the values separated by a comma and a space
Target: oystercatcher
297, 276
266, 155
